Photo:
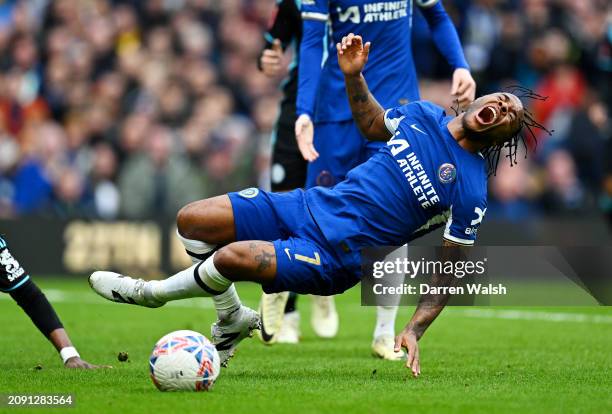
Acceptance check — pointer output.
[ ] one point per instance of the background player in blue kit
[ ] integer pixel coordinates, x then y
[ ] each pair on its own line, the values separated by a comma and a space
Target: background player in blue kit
335, 146
391, 75
288, 169
288, 172
434, 167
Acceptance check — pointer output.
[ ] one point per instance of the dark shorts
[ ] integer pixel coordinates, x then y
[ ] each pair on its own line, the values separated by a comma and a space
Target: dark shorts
305, 263
288, 170
12, 274
341, 148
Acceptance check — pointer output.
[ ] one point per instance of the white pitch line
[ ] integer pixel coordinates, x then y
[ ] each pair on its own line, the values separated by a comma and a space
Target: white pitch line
534, 315
64, 296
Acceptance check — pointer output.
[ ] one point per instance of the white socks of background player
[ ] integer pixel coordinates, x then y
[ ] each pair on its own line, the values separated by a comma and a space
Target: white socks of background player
385, 321
385, 315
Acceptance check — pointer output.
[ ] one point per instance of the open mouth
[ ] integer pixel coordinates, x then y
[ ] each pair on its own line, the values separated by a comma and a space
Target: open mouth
487, 115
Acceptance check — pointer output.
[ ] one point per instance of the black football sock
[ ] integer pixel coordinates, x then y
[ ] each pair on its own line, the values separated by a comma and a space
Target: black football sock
291, 302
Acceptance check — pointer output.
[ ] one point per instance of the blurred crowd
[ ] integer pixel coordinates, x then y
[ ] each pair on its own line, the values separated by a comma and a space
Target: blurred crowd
561, 49
129, 109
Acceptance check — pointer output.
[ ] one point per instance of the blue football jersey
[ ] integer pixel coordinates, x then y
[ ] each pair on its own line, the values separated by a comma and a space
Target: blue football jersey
390, 71
421, 180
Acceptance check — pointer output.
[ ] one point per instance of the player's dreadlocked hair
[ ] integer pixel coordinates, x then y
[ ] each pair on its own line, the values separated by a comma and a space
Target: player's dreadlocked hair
526, 130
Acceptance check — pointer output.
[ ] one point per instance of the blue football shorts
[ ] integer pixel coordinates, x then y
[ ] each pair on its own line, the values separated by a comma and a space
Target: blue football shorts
305, 263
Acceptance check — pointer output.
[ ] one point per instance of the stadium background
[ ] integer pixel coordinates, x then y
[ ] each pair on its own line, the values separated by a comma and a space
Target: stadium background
127, 110
115, 113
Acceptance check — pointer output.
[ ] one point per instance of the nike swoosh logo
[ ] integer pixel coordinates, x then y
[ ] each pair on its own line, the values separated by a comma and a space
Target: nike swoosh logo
288, 254
264, 334
416, 128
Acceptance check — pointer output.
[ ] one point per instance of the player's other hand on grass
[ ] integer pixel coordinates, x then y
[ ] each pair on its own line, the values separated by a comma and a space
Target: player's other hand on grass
304, 134
407, 339
352, 54
271, 60
78, 363
463, 88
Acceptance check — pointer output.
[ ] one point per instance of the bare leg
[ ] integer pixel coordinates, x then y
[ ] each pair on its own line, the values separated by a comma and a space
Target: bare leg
210, 221
250, 261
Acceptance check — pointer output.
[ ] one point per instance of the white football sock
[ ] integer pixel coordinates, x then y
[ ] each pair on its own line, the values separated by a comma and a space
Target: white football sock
179, 286
185, 284
385, 320
195, 247
211, 278
206, 282
227, 303
385, 315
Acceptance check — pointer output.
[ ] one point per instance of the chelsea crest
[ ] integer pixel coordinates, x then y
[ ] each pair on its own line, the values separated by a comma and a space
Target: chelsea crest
447, 173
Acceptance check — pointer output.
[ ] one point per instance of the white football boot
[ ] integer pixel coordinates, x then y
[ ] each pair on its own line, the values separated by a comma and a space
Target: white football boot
123, 289
324, 318
290, 329
272, 311
383, 346
226, 334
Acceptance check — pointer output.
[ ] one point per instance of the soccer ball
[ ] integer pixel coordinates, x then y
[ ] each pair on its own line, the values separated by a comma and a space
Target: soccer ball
184, 361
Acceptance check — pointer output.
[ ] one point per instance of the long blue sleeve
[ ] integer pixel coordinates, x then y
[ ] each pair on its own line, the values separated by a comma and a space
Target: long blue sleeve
309, 68
445, 35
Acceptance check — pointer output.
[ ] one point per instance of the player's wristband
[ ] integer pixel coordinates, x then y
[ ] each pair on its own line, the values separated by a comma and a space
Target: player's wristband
68, 352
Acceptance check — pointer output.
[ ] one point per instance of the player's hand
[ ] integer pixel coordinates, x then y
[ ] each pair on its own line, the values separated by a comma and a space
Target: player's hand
463, 88
304, 134
271, 60
352, 54
407, 339
78, 363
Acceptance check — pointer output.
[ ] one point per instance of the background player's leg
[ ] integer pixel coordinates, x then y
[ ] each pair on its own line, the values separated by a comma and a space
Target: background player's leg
339, 145
384, 330
288, 172
289, 332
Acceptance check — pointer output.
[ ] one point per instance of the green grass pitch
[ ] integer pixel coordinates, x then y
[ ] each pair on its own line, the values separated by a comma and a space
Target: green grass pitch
487, 360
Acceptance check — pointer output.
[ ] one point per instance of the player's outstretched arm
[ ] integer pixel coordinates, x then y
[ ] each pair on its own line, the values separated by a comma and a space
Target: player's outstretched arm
445, 36
427, 311
59, 338
367, 112
35, 304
